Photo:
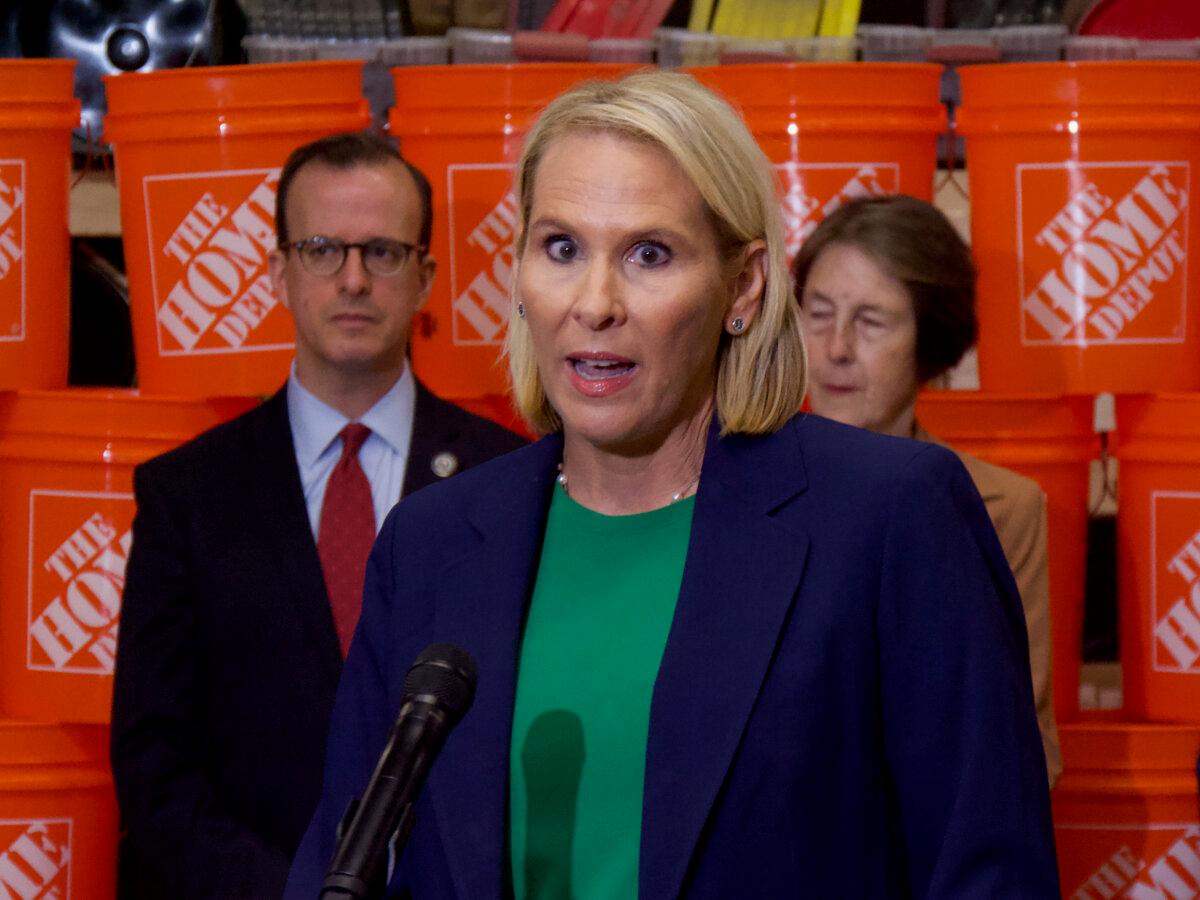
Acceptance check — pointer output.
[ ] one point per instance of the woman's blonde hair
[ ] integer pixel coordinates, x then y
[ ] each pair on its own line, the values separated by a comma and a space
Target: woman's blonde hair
760, 373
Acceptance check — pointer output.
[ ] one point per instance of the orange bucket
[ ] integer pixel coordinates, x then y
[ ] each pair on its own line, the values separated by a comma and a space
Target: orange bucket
1158, 555
58, 814
66, 479
1126, 817
198, 155
463, 126
1051, 440
837, 131
1080, 175
37, 112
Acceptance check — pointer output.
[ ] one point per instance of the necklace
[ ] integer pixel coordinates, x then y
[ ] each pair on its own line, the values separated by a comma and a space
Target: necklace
675, 497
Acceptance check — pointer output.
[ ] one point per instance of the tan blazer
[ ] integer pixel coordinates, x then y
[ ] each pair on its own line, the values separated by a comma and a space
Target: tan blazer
1017, 508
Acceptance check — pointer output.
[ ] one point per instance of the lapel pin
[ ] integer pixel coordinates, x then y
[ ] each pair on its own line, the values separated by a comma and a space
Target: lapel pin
444, 464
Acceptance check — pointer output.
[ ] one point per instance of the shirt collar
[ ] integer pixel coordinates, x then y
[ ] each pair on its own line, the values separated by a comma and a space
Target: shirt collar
315, 424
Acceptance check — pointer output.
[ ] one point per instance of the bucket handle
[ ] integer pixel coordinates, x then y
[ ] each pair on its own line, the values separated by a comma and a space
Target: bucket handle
95, 160
951, 136
1109, 477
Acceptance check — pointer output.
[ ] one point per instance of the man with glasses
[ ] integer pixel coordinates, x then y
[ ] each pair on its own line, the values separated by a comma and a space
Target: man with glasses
249, 547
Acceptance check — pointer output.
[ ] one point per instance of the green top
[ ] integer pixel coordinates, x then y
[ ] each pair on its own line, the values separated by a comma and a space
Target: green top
597, 627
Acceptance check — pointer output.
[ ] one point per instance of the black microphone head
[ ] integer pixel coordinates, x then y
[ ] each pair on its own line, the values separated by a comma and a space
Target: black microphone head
445, 674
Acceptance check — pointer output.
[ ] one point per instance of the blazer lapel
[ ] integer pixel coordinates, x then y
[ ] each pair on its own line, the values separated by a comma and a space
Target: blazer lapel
742, 572
481, 606
279, 503
429, 438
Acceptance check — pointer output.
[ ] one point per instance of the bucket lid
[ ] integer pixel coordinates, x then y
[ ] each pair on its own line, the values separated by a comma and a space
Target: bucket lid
1126, 746
209, 89
1108, 85
38, 94
109, 413
35, 743
805, 85
857, 98
38, 81
526, 86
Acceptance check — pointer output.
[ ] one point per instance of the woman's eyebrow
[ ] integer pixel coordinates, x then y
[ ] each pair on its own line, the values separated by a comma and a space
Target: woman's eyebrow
551, 223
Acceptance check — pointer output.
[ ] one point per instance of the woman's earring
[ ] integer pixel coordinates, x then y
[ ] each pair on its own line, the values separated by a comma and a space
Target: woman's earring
737, 326
521, 310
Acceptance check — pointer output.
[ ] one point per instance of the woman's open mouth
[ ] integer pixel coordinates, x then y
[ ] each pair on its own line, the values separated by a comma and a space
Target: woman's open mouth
600, 374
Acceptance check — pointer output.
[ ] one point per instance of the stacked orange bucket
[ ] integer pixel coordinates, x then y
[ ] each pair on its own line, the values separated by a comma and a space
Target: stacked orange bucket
57, 814
1080, 179
198, 154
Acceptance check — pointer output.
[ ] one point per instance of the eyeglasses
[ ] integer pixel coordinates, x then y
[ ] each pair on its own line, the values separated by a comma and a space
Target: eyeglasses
324, 256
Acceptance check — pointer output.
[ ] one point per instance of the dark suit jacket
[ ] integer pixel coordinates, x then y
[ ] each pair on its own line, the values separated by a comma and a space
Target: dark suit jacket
843, 709
227, 660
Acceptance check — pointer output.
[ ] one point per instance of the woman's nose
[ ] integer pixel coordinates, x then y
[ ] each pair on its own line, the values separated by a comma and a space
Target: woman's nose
598, 303
839, 342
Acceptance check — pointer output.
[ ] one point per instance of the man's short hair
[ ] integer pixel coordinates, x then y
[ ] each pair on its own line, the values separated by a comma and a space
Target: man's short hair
345, 151
914, 243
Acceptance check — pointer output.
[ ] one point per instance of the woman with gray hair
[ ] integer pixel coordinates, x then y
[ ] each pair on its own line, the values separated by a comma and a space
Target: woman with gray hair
724, 650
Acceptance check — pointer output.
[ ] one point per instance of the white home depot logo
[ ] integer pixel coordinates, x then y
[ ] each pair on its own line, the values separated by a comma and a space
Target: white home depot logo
1175, 581
209, 236
12, 249
483, 223
1175, 875
78, 546
1111, 878
35, 859
813, 191
1102, 252
1165, 865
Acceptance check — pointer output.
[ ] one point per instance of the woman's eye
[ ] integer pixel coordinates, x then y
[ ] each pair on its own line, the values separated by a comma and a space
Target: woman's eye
650, 254
871, 324
815, 315
561, 248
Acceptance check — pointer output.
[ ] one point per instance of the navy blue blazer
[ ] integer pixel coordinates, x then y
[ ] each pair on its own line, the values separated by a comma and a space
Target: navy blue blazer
843, 709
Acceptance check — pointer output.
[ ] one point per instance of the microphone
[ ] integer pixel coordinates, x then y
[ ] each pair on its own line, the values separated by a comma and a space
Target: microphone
438, 690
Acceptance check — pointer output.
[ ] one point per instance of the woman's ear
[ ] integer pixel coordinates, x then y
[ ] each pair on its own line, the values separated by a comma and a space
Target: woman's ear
749, 283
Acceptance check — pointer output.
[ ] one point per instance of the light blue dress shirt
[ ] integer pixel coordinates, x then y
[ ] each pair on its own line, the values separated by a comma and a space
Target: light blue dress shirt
383, 456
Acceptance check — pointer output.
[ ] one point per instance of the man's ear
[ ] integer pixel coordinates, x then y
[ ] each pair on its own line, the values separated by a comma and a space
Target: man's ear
276, 262
426, 273
748, 284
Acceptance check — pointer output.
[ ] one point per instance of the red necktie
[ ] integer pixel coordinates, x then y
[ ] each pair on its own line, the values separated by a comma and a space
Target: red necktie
346, 532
